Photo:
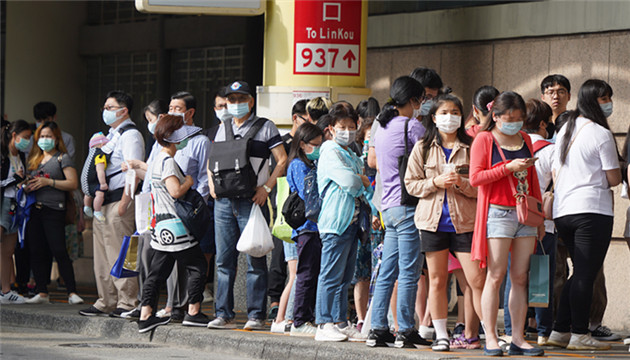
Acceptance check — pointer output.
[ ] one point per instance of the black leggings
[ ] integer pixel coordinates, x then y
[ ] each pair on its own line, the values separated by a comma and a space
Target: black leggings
46, 237
160, 266
587, 237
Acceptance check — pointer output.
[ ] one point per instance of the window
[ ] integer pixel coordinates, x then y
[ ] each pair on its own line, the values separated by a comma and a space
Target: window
115, 12
202, 72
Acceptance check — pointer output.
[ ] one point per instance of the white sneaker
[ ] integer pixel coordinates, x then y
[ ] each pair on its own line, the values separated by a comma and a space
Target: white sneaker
329, 332
256, 324
162, 313
221, 323
626, 341
307, 330
38, 300
586, 342
207, 296
11, 298
74, 299
278, 328
559, 339
88, 211
542, 340
351, 332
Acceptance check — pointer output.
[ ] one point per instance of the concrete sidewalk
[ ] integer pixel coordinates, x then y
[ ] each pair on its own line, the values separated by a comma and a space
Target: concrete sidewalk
61, 317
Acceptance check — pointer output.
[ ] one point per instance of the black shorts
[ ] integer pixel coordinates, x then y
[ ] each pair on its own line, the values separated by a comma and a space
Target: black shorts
437, 241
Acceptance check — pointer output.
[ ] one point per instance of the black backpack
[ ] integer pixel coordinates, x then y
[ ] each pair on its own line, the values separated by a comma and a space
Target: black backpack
232, 173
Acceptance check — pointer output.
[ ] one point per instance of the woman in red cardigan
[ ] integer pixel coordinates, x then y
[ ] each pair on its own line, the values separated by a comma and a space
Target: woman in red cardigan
497, 230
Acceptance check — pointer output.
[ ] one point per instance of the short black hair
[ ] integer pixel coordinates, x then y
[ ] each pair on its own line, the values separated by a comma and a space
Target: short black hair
368, 108
43, 110
537, 111
299, 107
220, 93
427, 77
189, 99
122, 98
342, 110
555, 79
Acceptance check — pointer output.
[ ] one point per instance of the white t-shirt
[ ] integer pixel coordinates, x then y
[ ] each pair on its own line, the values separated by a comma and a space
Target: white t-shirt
169, 233
581, 184
544, 165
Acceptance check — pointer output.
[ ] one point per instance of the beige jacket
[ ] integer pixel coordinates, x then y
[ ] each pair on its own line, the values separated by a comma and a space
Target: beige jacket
462, 201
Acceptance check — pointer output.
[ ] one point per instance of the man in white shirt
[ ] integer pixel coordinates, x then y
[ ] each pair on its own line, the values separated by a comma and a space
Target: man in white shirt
116, 295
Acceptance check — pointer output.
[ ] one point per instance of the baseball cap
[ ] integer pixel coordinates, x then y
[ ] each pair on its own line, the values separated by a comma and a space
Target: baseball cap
237, 87
182, 134
98, 139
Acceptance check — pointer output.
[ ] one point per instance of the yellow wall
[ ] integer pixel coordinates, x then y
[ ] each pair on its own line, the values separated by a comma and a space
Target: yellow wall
43, 62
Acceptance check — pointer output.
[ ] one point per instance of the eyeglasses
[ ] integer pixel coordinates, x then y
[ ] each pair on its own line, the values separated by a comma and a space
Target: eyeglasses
238, 98
111, 107
559, 92
302, 117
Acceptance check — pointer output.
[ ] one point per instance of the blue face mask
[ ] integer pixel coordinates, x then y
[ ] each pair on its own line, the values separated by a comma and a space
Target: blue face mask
314, 155
109, 116
511, 128
181, 145
238, 110
22, 144
426, 107
46, 144
607, 108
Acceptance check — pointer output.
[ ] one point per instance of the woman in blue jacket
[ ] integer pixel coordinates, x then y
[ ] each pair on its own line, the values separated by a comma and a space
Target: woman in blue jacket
342, 186
302, 157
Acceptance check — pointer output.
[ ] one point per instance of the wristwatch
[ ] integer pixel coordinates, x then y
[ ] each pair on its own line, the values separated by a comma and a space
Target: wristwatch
267, 188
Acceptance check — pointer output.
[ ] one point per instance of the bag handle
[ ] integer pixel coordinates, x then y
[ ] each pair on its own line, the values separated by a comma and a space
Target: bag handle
406, 137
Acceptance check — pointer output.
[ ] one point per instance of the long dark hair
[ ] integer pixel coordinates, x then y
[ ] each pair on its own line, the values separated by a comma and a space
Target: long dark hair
7, 133
305, 132
483, 96
432, 130
588, 107
403, 90
506, 102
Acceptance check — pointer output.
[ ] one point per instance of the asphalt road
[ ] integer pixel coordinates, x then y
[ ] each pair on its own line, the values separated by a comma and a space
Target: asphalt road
28, 343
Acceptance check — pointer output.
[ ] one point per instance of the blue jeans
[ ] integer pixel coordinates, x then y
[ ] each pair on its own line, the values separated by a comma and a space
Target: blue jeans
230, 218
339, 253
401, 260
544, 316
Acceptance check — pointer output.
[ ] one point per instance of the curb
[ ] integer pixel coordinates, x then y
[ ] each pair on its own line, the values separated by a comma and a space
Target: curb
258, 345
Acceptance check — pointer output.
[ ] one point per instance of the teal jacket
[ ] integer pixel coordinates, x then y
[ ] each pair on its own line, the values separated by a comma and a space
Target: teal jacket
339, 183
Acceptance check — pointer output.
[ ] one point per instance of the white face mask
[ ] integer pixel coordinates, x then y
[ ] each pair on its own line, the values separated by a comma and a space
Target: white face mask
417, 113
222, 114
345, 137
447, 123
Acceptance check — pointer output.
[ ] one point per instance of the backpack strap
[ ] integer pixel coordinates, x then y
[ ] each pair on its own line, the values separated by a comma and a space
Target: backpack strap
260, 122
539, 145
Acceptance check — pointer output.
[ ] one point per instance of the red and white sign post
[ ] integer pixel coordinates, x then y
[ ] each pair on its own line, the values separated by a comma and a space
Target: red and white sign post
327, 37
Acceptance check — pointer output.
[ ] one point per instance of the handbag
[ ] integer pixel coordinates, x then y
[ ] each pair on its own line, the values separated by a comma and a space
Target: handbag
538, 291
127, 263
529, 210
405, 198
293, 210
193, 210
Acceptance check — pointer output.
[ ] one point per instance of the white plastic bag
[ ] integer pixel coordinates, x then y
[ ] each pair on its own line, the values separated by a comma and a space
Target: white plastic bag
143, 212
130, 182
256, 237
624, 189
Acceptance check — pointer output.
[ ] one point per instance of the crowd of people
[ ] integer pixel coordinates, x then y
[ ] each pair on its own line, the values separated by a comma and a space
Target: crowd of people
396, 199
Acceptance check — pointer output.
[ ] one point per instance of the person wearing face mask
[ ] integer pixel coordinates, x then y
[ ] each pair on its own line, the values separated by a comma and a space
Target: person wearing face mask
586, 166
116, 296
232, 213
191, 159
432, 84
401, 259
303, 157
171, 242
51, 175
342, 186
15, 141
497, 231
445, 215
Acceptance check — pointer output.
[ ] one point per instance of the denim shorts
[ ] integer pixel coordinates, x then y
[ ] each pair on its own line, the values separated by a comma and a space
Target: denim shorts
504, 224
290, 251
5, 218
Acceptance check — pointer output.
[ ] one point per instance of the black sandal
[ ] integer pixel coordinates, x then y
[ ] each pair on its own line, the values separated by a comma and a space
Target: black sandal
441, 345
